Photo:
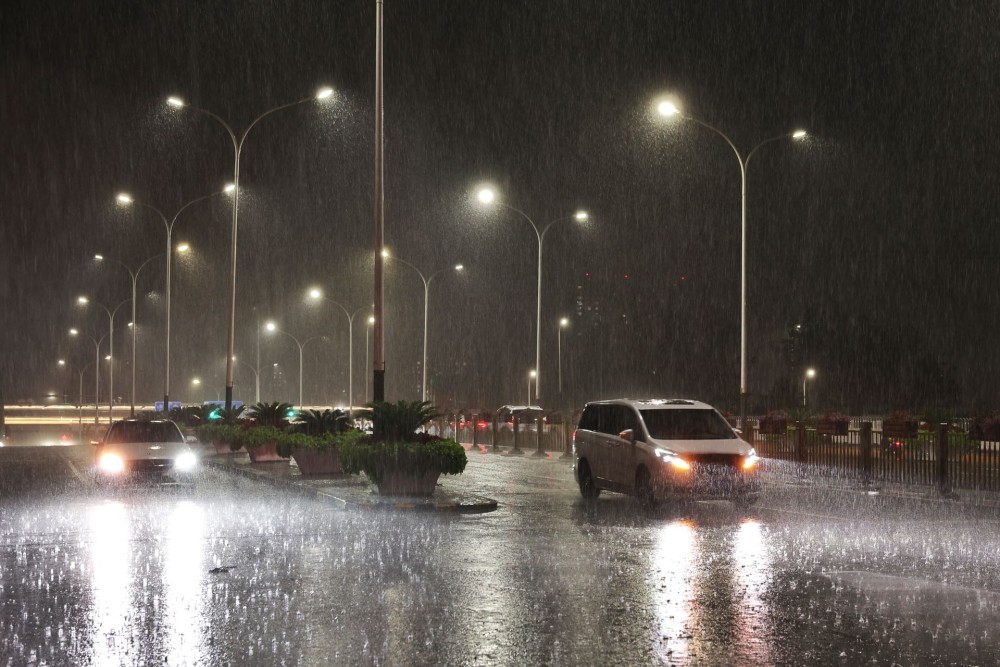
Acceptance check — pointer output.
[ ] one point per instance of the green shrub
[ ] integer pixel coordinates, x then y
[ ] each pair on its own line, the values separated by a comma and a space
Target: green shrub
289, 442
216, 432
254, 436
375, 458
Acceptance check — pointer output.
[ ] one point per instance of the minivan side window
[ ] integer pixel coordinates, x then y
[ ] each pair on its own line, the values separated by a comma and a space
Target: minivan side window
588, 420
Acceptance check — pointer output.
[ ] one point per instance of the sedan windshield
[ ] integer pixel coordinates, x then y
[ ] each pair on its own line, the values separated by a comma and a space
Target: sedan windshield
131, 432
694, 424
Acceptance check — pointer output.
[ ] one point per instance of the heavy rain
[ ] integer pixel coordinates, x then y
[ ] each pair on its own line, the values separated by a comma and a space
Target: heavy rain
398, 332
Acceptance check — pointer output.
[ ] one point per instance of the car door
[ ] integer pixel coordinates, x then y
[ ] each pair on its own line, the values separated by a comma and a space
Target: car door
622, 452
590, 442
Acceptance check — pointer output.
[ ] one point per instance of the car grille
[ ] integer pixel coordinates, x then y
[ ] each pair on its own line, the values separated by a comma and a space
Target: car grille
149, 465
714, 460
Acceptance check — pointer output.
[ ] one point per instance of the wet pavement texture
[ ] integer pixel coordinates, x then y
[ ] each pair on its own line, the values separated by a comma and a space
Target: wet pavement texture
230, 571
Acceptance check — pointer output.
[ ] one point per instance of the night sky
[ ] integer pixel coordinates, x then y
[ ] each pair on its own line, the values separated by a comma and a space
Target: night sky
876, 235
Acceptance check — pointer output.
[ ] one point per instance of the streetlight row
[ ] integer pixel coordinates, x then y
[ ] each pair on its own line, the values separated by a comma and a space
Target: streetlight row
486, 196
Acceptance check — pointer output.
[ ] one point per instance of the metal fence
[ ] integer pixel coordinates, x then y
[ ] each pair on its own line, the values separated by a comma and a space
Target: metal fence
946, 457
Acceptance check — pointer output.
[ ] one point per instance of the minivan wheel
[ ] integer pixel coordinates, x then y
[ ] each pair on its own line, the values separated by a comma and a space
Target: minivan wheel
586, 480
644, 488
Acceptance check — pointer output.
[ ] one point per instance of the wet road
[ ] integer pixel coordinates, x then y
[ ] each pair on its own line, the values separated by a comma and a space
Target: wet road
97, 577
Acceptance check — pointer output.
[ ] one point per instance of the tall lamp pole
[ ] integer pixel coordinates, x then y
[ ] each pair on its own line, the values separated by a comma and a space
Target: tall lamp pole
178, 103
668, 109
126, 199
488, 196
809, 375
532, 375
563, 323
316, 294
427, 288
83, 301
378, 364
134, 275
271, 327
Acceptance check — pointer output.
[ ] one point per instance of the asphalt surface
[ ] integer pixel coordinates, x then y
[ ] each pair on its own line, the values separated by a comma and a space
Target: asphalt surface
230, 571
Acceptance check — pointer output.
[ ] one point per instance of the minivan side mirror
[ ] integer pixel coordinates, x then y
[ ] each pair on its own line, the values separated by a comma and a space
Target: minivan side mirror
627, 434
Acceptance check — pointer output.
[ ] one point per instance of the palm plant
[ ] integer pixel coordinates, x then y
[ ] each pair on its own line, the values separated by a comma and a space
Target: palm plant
316, 422
270, 414
398, 422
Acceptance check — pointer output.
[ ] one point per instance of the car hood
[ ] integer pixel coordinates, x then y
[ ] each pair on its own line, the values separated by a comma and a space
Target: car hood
147, 450
728, 446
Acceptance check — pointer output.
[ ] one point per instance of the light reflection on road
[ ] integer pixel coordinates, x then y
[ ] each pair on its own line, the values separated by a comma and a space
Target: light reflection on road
111, 581
674, 589
183, 579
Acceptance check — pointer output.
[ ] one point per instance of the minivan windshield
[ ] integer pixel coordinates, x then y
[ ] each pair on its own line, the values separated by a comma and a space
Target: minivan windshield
686, 424
139, 431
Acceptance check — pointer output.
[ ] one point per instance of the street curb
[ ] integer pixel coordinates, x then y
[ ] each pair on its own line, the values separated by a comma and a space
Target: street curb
481, 504
930, 496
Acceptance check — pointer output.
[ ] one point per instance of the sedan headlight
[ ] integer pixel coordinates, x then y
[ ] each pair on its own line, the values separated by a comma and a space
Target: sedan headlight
751, 459
186, 462
111, 463
673, 459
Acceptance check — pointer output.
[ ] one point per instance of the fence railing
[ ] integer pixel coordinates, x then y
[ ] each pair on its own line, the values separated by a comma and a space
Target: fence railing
946, 458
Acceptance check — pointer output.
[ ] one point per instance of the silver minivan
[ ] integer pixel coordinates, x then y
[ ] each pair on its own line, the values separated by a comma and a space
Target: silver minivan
662, 448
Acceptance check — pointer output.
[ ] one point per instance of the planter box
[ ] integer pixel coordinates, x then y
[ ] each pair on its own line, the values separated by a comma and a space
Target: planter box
408, 483
263, 453
773, 426
831, 427
222, 447
899, 429
317, 461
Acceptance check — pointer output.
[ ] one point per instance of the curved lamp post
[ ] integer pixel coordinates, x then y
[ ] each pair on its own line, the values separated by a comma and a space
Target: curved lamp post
563, 323
668, 109
134, 275
178, 103
316, 294
196, 382
83, 301
487, 196
271, 327
809, 375
458, 268
126, 199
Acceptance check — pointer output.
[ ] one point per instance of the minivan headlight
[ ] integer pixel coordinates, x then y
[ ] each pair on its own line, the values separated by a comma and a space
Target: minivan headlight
751, 459
111, 463
186, 462
672, 458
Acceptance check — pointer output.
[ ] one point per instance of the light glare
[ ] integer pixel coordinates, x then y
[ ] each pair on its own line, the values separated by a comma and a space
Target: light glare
124, 198
486, 196
667, 109
175, 102
324, 93
799, 134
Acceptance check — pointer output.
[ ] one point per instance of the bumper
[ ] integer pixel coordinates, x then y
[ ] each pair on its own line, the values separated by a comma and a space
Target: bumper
708, 482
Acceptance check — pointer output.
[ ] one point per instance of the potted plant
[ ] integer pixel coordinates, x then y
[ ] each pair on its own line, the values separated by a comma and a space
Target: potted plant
773, 423
315, 448
899, 425
220, 434
834, 423
397, 459
260, 438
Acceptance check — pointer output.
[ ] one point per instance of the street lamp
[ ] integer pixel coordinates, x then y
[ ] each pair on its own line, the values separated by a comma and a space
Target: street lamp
316, 294
563, 323
256, 375
197, 383
178, 103
458, 268
271, 327
83, 301
668, 109
809, 375
134, 275
487, 196
370, 322
532, 375
126, 199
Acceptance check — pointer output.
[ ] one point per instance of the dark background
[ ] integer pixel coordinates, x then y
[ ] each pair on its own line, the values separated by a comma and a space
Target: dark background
877, 235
